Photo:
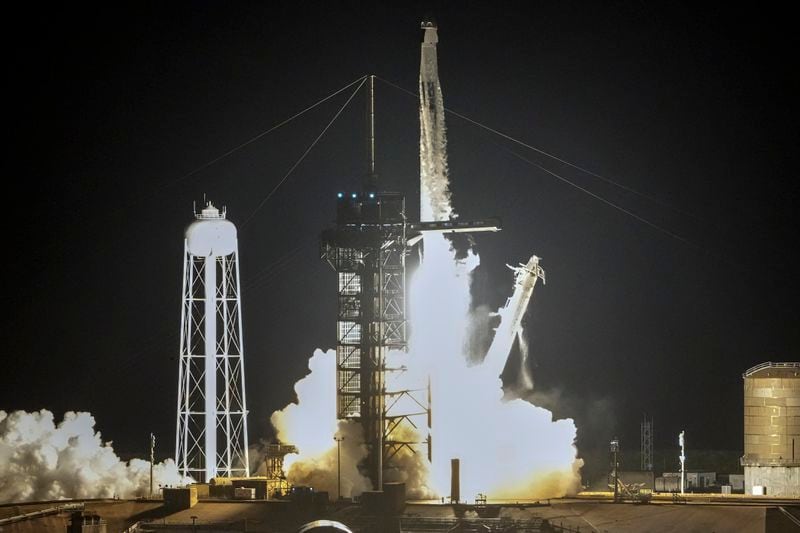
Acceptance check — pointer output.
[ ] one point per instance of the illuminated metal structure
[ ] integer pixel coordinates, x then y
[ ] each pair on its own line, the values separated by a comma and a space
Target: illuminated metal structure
211, 433
647, 445
682, 458
614, 448
367, 247
277, 485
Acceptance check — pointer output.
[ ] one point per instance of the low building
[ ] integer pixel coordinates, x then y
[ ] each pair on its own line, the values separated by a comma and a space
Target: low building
180, 498
667, 483
735, 481
700, 480
693, 482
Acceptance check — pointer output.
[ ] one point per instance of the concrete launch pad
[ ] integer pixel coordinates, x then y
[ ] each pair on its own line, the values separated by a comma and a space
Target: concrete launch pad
575, 514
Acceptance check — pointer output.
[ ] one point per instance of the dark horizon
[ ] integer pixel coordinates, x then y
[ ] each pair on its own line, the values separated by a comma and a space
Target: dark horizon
691, 106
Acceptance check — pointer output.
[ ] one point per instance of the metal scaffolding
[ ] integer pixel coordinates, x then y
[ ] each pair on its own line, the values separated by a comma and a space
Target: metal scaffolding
211, 433
277, 484
367, 248
647, 445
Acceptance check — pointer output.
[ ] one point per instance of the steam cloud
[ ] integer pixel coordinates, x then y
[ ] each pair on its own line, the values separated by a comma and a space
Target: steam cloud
310, 424
42, 460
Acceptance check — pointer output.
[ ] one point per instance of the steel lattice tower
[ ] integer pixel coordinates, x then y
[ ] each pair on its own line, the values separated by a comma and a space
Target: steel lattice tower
647, 445
211, 434
367, 247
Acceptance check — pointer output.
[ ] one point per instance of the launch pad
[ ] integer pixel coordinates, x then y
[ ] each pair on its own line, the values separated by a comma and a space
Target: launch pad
558, 515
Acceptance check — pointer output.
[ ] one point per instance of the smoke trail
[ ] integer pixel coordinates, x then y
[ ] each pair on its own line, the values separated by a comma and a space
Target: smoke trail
42, 460
310, 424
434, 183
525, 380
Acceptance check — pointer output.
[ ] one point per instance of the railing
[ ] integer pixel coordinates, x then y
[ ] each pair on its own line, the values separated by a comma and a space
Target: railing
753, 460
769, 364
133, 529
470, 524
42, 512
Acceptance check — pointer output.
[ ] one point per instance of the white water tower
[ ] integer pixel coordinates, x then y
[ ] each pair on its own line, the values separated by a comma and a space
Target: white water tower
211, 434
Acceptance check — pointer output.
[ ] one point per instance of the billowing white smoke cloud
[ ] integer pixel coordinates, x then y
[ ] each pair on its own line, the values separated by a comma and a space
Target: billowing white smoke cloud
509, 449
42, 460
310, 424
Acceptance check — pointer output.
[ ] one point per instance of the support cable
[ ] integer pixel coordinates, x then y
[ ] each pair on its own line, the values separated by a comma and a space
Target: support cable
607, 202
302, 157
268, 273
154, 192
263, 133
158, 342
163, 342
552, 156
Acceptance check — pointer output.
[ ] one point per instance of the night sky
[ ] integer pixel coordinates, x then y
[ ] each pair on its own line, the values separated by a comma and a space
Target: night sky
108, 108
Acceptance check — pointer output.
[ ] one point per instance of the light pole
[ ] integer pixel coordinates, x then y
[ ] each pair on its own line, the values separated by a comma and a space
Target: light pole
338, 439
152, 459
614, 451
682, 457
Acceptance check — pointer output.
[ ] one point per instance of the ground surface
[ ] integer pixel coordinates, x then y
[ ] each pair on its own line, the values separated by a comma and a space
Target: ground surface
591, 515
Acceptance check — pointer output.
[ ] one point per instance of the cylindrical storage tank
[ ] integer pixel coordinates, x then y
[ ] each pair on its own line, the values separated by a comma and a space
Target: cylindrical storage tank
772, 414
211, 235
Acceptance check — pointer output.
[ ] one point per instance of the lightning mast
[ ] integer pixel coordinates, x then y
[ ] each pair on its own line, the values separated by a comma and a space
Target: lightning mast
367, 247
211, 433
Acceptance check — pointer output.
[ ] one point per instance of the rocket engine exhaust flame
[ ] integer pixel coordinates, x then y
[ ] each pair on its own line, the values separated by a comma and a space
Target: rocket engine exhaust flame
44, 460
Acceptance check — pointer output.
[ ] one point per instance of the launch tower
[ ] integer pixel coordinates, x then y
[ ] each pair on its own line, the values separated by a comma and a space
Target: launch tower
211, 434
367, 249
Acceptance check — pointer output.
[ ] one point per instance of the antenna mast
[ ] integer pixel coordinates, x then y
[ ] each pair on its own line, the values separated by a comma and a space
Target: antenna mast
372, 179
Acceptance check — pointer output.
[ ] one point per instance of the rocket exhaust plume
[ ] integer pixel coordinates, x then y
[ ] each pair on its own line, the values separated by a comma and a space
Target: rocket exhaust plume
44, 460
506, 448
